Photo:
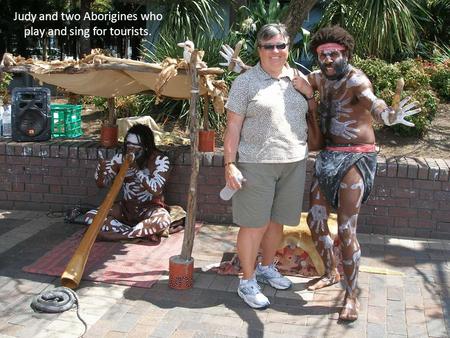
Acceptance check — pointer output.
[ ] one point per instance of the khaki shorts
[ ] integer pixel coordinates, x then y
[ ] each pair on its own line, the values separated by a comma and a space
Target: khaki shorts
272, 191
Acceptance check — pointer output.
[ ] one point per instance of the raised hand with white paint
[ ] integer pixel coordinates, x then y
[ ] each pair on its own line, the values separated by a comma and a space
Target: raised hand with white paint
397, 116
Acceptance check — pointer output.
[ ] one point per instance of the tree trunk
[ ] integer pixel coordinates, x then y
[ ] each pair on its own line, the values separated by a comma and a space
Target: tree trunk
44, 48
205, 112
111, 111
85, 43
297, 13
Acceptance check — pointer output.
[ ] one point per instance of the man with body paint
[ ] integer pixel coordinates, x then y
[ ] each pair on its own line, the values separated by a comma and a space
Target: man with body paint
345, 168
142, 212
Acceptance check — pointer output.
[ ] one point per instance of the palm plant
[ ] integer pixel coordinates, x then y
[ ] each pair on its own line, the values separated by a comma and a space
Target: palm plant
250, 19
435, 33
167, 47
435, 26
263, 12
388, 29
188, 18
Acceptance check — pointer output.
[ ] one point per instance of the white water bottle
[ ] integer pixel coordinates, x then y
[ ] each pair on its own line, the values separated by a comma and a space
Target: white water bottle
1, 119
226, 193
7, 121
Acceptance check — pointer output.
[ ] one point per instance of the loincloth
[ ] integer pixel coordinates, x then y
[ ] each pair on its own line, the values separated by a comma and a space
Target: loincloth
332, 166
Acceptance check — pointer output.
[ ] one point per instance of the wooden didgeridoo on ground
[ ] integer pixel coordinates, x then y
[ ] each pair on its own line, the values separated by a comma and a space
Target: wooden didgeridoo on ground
71, 276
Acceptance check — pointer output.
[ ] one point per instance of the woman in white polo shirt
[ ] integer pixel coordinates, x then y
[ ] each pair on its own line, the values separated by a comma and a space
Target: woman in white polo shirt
265, 142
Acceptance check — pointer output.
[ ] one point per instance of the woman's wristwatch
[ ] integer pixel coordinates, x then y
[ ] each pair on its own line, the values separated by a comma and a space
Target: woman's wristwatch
228, 163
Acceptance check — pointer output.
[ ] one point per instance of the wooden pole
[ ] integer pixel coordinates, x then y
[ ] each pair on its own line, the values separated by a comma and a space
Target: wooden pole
111, 111
205, 112
189, 230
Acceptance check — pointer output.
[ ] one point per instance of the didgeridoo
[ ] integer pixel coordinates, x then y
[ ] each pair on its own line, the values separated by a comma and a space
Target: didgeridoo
71, 276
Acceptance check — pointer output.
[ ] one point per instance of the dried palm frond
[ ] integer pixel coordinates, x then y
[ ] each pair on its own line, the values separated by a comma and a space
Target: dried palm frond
168, 72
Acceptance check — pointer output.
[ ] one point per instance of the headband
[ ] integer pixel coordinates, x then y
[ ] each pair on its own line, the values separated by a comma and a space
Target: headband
134, 139
329, 46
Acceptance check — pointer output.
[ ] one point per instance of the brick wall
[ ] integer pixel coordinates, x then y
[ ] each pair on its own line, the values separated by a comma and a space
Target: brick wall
411, 196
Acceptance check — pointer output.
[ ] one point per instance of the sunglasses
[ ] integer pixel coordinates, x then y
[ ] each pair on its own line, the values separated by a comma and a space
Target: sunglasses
272, 47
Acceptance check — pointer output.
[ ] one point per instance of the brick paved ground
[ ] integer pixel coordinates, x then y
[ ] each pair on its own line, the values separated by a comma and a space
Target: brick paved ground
415, 304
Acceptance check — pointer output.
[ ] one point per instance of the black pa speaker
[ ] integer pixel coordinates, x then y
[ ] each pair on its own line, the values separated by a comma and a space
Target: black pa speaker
30, 114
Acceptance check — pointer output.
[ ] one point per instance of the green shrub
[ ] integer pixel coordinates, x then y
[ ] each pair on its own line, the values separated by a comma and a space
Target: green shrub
100, 103
428, 102
428, 105
414, 74
440, 81
386, 94
5, 80
126, 106
384, 78
382, 74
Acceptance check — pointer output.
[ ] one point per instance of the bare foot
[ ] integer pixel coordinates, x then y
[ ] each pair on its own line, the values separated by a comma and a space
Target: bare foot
324, 281
350, 310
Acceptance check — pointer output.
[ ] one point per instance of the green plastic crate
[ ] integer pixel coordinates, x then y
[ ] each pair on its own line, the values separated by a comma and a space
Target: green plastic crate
66, 120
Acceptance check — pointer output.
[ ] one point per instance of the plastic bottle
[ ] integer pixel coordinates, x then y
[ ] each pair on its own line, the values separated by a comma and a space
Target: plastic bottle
7, 121
1, 118
226, 193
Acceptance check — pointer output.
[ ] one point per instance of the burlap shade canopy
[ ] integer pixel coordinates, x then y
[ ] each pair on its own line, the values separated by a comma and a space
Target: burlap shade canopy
99, 75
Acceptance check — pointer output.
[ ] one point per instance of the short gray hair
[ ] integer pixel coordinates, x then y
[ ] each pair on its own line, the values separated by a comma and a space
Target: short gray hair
270, 30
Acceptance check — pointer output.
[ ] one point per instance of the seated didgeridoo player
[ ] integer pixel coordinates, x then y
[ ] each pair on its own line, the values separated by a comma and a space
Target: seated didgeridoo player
345, 169
141, 213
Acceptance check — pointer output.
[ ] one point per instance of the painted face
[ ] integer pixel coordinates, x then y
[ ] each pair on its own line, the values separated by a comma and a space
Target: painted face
134, 145
333, 61
273, 53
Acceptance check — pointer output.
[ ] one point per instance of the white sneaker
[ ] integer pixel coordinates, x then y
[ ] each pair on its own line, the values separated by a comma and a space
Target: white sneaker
251, 293
271, 276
